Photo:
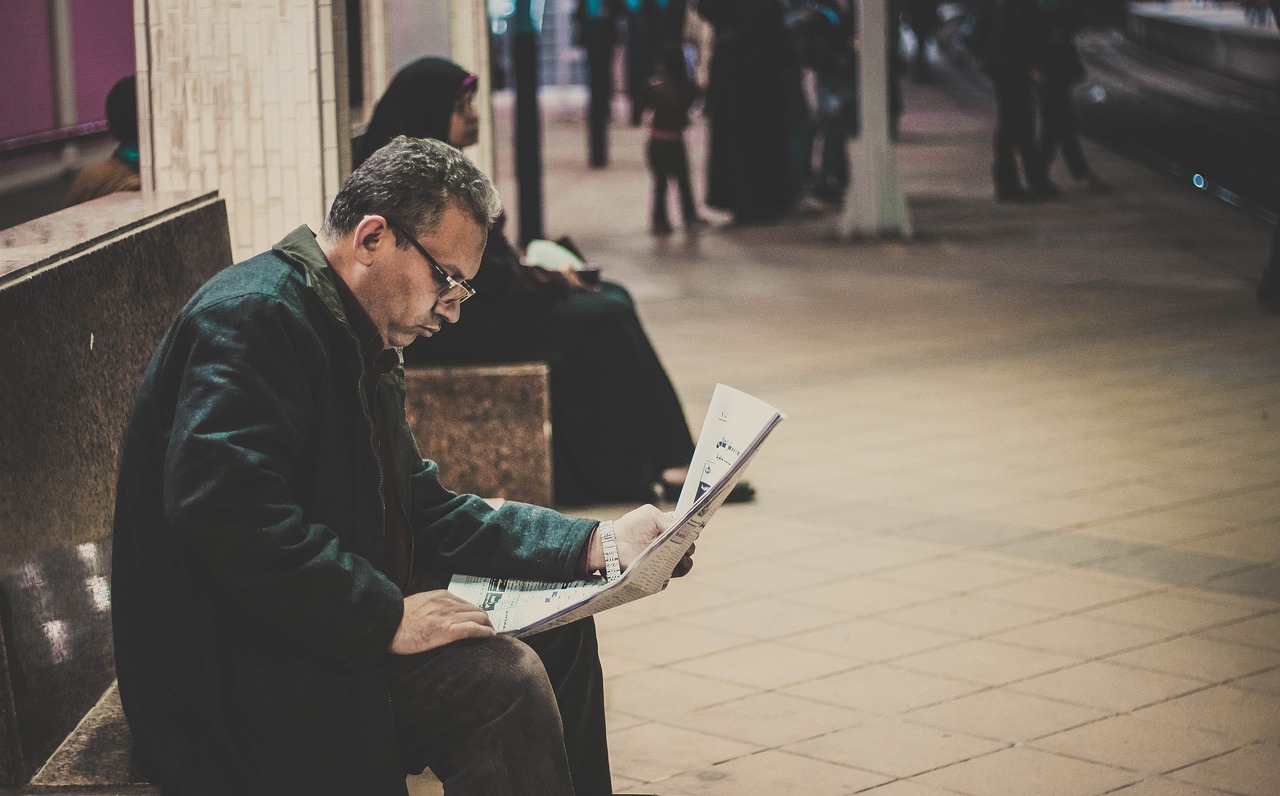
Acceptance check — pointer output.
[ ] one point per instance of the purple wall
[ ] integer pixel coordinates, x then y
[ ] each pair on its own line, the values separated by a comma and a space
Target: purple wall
102, 38
26, 74
102, 46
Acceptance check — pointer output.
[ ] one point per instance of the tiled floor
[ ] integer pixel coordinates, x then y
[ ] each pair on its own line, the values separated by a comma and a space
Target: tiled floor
1021, 531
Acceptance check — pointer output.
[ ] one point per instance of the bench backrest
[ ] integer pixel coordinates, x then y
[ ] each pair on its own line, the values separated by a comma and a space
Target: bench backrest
85, 295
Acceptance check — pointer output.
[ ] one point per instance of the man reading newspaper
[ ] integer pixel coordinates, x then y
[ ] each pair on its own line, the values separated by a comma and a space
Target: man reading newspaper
272, 633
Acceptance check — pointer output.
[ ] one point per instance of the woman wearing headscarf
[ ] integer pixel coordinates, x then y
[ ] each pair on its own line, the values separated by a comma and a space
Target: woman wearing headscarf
620, 432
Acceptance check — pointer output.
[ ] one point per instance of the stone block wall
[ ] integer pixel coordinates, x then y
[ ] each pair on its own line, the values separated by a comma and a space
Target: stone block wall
85, 295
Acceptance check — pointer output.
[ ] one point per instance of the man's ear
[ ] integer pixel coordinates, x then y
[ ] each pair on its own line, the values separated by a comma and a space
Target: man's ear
371, 233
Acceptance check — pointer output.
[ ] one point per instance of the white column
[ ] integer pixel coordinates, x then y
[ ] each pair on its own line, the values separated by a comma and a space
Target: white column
873, 203
469, 45
243, 98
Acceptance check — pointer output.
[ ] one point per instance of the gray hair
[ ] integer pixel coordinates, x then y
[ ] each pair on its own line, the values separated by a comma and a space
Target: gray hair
412, 181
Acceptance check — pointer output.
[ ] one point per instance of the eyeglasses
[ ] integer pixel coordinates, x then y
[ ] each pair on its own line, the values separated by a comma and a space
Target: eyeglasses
458, 290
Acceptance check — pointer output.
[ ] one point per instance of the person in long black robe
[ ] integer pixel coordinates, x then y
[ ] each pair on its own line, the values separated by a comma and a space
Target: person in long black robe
753, 83
618, 427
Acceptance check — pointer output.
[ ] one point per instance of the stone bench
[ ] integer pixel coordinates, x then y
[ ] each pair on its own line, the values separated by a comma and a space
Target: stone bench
85, 295
489, 427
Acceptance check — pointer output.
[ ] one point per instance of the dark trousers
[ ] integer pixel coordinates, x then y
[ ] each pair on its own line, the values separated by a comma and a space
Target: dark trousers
501, 717
1015, 135
1058, 128
668, 160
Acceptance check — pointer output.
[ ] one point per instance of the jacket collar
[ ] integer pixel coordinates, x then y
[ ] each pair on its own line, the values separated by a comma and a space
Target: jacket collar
301, 248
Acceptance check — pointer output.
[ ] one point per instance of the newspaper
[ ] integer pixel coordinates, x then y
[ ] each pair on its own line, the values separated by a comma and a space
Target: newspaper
733, 431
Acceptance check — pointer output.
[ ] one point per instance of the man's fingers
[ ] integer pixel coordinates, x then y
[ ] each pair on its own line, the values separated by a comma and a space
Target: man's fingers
682, 567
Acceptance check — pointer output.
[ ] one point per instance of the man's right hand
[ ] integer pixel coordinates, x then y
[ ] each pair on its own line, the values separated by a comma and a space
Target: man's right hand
435, 618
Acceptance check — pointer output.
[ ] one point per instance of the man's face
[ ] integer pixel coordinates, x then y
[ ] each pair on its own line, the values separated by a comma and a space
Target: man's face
403, 292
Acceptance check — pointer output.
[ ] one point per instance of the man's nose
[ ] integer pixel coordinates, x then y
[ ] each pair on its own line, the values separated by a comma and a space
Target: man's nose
450, 310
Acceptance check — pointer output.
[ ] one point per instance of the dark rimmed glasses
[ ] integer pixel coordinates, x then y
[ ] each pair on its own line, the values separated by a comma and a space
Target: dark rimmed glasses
458, 290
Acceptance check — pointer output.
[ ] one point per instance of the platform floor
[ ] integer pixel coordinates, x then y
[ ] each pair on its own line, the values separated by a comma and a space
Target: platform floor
1021, 531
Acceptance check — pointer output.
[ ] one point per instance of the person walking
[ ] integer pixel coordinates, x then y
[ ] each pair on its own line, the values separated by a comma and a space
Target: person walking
1062, 69
670, 94
1009, 41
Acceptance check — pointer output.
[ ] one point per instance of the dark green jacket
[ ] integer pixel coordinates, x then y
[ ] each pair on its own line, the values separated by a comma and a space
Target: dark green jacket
251, 617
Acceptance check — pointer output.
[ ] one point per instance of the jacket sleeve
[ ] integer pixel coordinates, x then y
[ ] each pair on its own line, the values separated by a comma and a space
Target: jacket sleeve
464, 534
247, 404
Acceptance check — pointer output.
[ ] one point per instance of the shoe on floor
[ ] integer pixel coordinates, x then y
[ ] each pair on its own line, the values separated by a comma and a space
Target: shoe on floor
742, 492
1012, 193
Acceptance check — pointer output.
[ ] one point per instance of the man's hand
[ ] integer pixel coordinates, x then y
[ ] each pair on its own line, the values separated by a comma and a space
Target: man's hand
435, 618
634, 531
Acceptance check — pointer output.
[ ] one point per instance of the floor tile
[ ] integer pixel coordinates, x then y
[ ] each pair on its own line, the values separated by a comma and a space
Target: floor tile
1106, 685
766, 618
670, 640
954, 574
768, 719
1080, 637
1258, 543
1005, 715
650, 752
653, 693
907, 787
895, 748
856, 556
1064, 591
1067, 548
1253, 771
1021, 771
1246, 716
881, 689
1147, 747
1182, 613
986, 662
1190, 656
1262, 582
765, 665
1162, 786
1267, 682
769, 773
1259, 631
967, 615
872, 639
862, 596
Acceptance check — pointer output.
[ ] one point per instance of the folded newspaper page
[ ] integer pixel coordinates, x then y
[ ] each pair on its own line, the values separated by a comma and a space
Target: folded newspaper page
733, 431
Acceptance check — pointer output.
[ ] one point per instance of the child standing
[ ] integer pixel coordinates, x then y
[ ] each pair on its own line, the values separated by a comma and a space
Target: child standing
670, 94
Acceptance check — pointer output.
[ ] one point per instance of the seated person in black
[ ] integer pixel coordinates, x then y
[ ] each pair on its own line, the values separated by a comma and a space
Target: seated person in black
620, 432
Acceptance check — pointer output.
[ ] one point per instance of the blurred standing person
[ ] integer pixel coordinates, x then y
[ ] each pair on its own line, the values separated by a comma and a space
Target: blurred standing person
670, 94
642, 26
1062, 70
597, 23
1009, 40
836, 86
119, 172
749, 171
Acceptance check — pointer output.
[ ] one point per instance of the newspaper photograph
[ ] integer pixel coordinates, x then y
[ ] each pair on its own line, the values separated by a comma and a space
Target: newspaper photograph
735, 427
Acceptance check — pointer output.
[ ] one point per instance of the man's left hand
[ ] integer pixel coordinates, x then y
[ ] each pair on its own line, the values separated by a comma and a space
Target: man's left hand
634, 531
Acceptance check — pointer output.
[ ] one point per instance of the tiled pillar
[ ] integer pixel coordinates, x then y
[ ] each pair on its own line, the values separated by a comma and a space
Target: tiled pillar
469, 44
246, 98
